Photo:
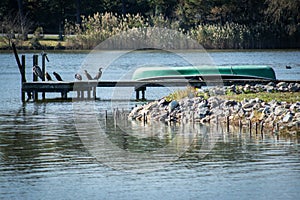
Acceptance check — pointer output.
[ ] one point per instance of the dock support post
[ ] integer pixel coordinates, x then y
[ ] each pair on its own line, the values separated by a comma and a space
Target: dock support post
143, 93
43, 71
64, 95
82, 94
94, 92
34, 77
89, 93
137, 94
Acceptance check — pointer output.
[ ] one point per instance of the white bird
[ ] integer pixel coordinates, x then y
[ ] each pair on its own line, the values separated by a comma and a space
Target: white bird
89, 77
78, 76
37, 71
99, 74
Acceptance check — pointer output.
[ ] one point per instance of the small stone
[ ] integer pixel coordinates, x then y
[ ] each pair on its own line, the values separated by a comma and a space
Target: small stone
282, 84
248, 105
270, 89
287, 118
271, 84
294, 88
278, 111
230, 103
172, 105
267, 110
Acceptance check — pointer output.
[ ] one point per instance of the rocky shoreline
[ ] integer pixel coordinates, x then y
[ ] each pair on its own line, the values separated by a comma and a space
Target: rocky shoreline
210, 106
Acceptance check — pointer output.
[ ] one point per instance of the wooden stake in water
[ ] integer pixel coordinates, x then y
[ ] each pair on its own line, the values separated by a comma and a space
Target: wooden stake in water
227, 123
250, 127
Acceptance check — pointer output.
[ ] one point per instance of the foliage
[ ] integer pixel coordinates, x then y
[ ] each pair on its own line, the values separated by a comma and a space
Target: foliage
266, 96
180, 94
213, 23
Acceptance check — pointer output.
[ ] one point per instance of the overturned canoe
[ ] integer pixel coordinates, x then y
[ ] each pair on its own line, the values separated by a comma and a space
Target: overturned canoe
203, 72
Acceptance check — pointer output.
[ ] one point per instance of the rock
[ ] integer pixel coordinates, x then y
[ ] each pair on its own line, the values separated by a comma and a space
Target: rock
248, 105
282, 84
230, 103
172, 105
202, 104
269, 89
295, 107
271, 84
202, 112
287, 118
267, 110
217, 91
135, 112
246, 88
213, 102
278, 111
294, 87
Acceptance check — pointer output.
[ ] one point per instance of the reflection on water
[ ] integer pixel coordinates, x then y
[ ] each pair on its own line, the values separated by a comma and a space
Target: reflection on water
41, 148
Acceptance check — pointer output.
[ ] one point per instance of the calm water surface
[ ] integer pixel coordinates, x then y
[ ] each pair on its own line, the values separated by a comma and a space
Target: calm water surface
50, 150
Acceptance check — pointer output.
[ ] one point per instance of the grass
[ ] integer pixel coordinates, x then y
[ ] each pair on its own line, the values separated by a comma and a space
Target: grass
180, 94
290, 97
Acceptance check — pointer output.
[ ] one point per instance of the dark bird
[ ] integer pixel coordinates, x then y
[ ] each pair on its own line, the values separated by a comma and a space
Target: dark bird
45, 54
48, 77
37, 71
57, 76
89, 77
288, 67
99, 74
78, 76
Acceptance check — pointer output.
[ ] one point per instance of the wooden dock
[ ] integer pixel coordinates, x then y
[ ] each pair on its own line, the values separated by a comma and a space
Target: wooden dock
87, 89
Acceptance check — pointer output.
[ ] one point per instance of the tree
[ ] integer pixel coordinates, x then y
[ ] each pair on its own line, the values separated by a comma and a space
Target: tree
284, 14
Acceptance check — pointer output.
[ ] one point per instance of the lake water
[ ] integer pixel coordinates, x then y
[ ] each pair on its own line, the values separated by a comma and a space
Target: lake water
71, 150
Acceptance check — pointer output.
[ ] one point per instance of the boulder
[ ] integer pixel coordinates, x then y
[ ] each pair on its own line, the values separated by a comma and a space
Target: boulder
172, 105
279, 110
287, 118
282, 84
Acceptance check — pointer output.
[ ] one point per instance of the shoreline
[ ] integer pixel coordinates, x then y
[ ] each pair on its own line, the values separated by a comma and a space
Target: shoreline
215, 106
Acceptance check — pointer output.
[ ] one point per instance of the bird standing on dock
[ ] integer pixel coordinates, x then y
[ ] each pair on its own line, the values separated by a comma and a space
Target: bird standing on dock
37, 71
78, 76
89, 77
57, 76
99, 74
48, 77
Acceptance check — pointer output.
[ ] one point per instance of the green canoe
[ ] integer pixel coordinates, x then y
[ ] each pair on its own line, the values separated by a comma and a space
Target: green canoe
196, 72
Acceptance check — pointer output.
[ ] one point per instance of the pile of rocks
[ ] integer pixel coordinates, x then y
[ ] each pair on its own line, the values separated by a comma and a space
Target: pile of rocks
270, 87
215, 109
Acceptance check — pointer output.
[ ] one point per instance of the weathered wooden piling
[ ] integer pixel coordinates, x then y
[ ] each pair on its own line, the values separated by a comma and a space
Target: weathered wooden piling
43, 72
256, 128
23, 77
34, 77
